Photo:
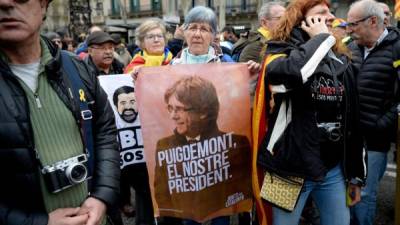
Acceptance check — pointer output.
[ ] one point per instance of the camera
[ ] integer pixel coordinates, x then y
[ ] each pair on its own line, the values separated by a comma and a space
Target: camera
332, 131
66, 173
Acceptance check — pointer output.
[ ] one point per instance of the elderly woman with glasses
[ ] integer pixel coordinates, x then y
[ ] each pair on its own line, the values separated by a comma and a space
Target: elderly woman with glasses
150, 37
200, 28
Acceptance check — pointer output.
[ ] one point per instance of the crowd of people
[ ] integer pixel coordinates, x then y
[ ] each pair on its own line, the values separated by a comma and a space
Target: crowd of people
331, 99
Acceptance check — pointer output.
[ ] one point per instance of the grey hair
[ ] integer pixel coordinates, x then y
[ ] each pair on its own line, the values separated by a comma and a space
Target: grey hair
265, 10
370, 8
202, 14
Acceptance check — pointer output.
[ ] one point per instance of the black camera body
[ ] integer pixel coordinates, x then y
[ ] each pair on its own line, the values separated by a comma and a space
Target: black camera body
332, 131
66, 173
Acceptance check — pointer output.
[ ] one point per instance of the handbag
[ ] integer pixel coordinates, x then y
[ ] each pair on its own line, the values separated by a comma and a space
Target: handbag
281, 192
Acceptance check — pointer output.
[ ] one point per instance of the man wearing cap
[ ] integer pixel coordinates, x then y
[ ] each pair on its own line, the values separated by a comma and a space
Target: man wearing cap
44, 160
101, 54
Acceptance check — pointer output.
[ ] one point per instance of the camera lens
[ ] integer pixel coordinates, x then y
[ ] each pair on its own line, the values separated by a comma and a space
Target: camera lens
77, 173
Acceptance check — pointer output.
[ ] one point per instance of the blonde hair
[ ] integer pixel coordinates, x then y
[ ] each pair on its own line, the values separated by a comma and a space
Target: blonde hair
145, 27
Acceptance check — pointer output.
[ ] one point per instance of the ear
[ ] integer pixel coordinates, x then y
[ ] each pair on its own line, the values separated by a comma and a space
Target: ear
374, 21
263, 22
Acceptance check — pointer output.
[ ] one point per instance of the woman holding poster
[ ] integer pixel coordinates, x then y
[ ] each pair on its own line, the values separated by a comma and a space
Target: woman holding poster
200, 28
313, 131
150, 37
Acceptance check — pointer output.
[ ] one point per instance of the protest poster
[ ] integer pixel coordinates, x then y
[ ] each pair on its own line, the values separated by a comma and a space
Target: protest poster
196, 129
121, 95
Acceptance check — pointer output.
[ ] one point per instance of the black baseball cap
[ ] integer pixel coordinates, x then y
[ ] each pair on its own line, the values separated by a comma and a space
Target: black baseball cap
99, 37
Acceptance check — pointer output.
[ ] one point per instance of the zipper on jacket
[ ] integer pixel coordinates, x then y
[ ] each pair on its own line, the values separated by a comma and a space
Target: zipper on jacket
37, 100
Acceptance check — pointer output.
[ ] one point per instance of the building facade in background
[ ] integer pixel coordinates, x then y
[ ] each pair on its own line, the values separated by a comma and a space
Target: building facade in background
124, 16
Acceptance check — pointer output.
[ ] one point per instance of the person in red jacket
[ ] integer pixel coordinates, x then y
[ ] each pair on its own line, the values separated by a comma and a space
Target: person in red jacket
151, 41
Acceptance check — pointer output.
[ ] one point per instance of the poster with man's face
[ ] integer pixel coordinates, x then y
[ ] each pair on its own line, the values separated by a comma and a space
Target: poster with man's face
121, 95
196, 129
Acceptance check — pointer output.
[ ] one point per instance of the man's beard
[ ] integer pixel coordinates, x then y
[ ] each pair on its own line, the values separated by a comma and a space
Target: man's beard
130, 118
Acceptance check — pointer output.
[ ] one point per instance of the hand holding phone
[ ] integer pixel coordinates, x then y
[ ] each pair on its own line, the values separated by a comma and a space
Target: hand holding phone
314, 25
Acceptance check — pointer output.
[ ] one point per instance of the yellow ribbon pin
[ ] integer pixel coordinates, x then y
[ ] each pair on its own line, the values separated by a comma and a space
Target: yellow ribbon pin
82, 95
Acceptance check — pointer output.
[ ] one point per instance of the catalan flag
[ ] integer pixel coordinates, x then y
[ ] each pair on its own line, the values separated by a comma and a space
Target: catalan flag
397, 10
259, 126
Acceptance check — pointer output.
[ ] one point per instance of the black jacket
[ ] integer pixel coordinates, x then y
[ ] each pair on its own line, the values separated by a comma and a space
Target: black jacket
378, 83
207, 199
21, 201
297, 150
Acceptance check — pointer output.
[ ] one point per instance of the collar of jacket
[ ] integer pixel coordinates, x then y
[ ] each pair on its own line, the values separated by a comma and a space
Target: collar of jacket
393, 36
51, 67
264, 32
54, 65
217, 52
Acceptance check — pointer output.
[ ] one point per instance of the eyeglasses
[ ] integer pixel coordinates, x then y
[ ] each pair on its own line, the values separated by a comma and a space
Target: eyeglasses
178, 109
194, 28
355, 23
154, 37
103, 48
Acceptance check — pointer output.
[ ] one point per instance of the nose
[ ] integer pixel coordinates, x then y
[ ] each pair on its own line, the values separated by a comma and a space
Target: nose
6, 4
330, 16
197, 32
129, 106
174, 115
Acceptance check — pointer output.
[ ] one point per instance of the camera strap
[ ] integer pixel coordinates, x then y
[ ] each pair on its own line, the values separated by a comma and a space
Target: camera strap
84, 119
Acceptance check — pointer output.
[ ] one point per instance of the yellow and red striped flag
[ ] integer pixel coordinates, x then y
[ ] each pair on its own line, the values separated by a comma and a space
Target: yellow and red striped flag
259, 129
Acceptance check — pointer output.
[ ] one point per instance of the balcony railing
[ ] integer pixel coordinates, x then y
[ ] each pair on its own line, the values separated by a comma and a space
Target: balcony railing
145, 10
247, 8
142, 11
239, 9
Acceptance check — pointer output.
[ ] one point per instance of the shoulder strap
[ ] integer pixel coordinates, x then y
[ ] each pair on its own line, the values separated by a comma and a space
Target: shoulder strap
85, 117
